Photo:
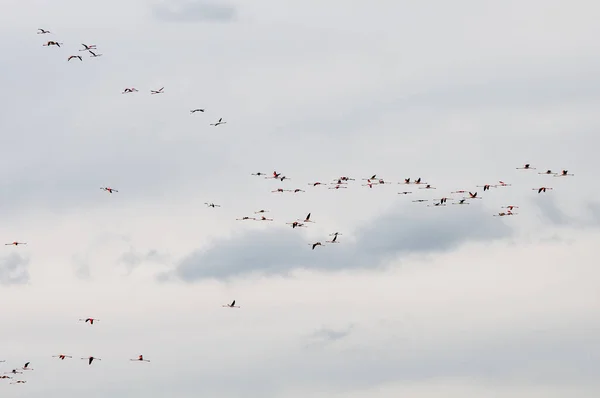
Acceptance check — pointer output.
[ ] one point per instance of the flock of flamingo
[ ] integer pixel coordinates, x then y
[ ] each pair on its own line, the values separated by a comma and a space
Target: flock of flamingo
343, 182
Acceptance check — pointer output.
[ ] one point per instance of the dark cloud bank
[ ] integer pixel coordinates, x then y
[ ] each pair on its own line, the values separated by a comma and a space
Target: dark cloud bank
278, 251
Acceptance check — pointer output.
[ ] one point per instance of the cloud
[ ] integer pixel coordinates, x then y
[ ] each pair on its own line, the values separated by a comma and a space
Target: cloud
194, 11
14, 270
279, 251
133, 259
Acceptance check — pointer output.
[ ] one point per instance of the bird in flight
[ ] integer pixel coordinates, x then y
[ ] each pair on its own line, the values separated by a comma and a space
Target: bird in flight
75, 56
527, 166
43, 31
19, 382
245, 218
296, 224
52, 43
461, 202
140, 358
92, 359
258, 174
218, 123
232, 305
108, 189
94, 55
315, 244
90, 320
563, 173
87, 48
15, 244
196, 110
307, 219
548, 172
211, 205
541, 189
263, 218
26, 366
159, 91
129, 90
334, 240
61, 356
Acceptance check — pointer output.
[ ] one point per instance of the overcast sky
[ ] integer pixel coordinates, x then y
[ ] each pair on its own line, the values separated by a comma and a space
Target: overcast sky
413, 301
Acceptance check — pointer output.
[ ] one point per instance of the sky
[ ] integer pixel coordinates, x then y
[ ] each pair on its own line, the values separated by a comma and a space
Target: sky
417, 301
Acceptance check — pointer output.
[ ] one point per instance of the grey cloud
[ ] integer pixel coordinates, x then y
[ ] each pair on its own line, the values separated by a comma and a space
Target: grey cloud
550, 211
194, 11
14, 270
277, 251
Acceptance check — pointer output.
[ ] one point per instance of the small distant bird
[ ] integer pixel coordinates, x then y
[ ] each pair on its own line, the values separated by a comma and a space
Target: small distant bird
307, 219
108, 189
87, 48
15, 244
61, 356
245, 218
92, 359
548, 172
263, 218
232, 305
261, 211
542, 189
75, 56
461, 202
94, 55
43, 31
196, 110
527, 166
211, 205
258, 174
316, 244
26, 367
218, 123
404, 193
52, 43
130, 90
140, 358
19, 382
564, 173
334, 240
295, 224
90, 320
159, 91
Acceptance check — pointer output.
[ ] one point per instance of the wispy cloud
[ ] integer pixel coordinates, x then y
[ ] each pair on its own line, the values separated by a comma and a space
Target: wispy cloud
194, 11
14, 269
132, 258
279, 251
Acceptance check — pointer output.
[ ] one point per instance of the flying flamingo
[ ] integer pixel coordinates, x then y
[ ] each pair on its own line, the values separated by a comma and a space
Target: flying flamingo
510, 207
245, 218
314, 184
307, 219
540, 190
281, 190
297, 190
108, 189
130, 90
92, 359
263, 218
427, 187
26, 367
548, 172
52, 43
211, 205
406, 181
218, 123
442, 200
5, 377
87, 48
346, 179
258, 174
94, 55
75, 56
421, 200
369, 184
15, 244
473, 196
315, 245
461, 202
564, 173
19, 382
461, 191
284, 178
232, 305
338, 187
486, 187
295, 224
196, 110
43, 31
418, 181
14, 372
502, 214
503, 184
140, 358
373, 177
334, 240
159, 91
61, 356
90, 320
527, 166
261, 211
404, 193
439, 204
